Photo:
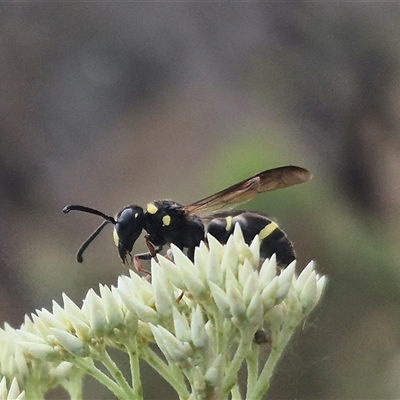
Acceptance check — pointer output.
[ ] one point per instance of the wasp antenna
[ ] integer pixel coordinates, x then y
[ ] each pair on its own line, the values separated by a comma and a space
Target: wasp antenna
77, 207
89, 240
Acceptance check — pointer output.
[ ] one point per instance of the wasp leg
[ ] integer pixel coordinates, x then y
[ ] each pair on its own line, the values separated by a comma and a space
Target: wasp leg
190, 253
138, 265
153, 250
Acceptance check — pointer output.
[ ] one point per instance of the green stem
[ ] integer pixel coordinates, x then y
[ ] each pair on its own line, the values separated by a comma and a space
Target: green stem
33, 391
252, 369
116, 373
75, 392
220, 340
262, 385
74, 384
241, 353
87, 365
132, 351
235, 393
35, 387
170, 373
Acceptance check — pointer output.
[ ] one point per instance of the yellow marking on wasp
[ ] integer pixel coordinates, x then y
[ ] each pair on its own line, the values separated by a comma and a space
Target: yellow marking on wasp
116, 237
151, 208
136, 215
228, 223
266, 231
166, 220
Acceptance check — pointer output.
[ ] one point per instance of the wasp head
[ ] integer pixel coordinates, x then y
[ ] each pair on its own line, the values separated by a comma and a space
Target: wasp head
127, 228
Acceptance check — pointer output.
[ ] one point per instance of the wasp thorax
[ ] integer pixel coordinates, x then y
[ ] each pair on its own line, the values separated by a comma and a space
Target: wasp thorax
152, 208
166, 220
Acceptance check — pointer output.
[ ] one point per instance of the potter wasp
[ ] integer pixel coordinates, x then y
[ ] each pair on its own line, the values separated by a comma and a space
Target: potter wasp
167, 222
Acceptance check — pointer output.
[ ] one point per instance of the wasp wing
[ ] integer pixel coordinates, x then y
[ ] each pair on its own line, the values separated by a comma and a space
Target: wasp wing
247, 189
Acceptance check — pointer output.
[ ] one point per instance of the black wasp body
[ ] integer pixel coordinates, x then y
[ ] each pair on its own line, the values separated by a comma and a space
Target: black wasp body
272, 239
169, 222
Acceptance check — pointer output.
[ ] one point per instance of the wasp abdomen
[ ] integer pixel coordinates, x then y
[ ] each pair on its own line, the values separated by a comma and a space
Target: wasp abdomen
273, 239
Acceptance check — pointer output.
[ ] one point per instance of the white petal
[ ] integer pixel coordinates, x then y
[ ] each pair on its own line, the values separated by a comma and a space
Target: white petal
112, 307
71, 308
144, 312
308, 297
269, 294
22, 396
199, 385
61, 371
282, 291
255, 310
302, 278
250, 285
255, 249
162, 291
94, 308
131, 322
214, 271
268, 271
285, 281
42, 351
41, 326
200, 261
245, 271
60, 314
70, 342
14, 391
321, 284
181, 326
294, 307
230, 259
49, 319
8, 366
238, 234
213, 375
181, 259
3, 388
221, 300
237, 305
276, 317
81, 328
197, 328
195, 286
21, 362
215, 246
287, 274
172, 271
170, 345
29, 326
31, 337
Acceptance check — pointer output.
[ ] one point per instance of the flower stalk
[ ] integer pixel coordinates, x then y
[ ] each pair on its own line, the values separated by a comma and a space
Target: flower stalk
209, 318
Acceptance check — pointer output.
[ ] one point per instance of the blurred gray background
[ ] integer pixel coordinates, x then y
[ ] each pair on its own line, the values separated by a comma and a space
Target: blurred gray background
107, 104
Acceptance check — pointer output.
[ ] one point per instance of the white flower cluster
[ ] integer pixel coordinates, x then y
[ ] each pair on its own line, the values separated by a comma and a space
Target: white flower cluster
203, 315
13, 393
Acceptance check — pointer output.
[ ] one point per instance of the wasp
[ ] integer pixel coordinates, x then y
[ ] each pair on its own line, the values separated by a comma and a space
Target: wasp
167, 222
